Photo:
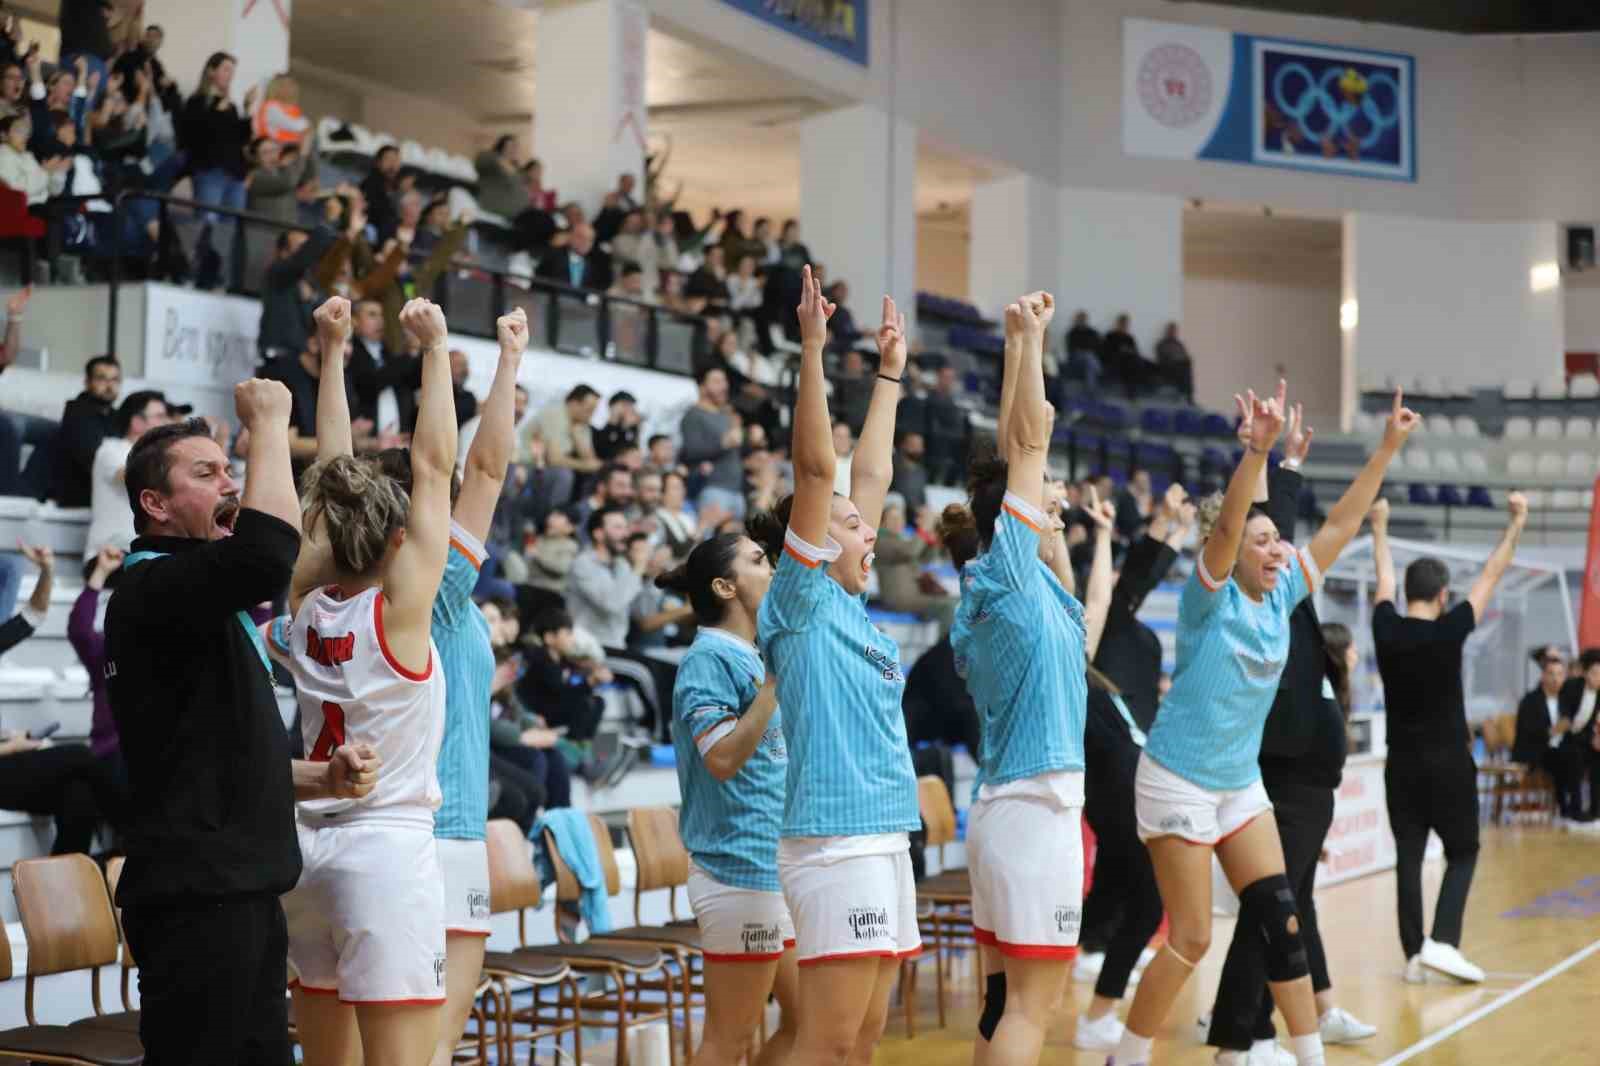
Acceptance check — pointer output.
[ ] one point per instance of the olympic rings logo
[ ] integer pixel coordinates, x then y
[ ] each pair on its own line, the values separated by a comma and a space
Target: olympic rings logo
1327, 108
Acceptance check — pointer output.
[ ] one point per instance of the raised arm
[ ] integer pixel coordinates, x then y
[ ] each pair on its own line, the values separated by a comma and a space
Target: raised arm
413, 577
813, 455
40, 556
263, 408
872, 468
1028, 429
16, 304
1344, 520
1008, 381
1495, 568
1097, 598
728, 755
334, 436
1382, 557
1266, 422
491, 449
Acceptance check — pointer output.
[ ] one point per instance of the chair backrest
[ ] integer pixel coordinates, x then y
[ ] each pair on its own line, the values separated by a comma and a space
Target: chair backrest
66, 914
7, 964
567, 888
114, 875
659, 855
513, 882
933, 800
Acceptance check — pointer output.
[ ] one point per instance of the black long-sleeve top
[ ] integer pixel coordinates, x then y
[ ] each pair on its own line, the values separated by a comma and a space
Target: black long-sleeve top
1304, 740
1130, 651
211, 810
215, 137
85, 422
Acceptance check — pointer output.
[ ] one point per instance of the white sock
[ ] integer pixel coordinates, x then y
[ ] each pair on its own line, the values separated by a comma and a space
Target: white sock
1307, 1049
1132, 1050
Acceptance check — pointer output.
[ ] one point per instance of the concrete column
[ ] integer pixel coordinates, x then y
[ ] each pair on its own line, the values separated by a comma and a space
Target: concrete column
1016, 243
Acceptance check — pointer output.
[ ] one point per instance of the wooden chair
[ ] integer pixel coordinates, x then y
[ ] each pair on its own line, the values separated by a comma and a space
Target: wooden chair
73, 1045
1517, 793
514, 887
113, 876
945, 898
662, 862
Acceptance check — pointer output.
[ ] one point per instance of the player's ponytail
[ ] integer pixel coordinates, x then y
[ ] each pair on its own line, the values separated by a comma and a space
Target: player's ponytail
360, 509
986, 488
958, 531
711, 559
767, 528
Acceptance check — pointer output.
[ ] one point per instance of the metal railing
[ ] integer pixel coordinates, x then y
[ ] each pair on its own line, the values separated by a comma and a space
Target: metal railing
570, 320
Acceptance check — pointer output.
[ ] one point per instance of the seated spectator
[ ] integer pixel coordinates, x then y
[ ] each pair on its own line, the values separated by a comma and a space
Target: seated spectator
852, 390
501, 188
1121, 359
466, 402
634, 243
382, 190
1083, 352
659, 617
550, 561
764, 486
910, 476
110, 519
844, 448
1580, 699
279, 117
621, 430
949, 430
1134, 502
903, 554
710, 282
1542, 729
646, 502
20, 171
1173, 365
273, 181
524, 750
559, 681
385, 381
57, 93
771, 253
842, 332
663, 454
712, 437
287, 295
87, 420
564, 426
677, 527
629, 283
745, 287
13, 84
302, 374
89, 641
539, 197
603, 582
65, 781
579, 264
613, 491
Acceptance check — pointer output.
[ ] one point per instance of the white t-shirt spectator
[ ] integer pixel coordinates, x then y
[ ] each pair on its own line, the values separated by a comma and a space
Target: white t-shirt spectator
744, 294
110, 519
757, 367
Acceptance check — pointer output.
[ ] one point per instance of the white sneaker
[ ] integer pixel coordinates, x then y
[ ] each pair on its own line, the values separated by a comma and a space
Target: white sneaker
1087, 969
1339, 1026
1270, 1053
1449, 961
1097, 1034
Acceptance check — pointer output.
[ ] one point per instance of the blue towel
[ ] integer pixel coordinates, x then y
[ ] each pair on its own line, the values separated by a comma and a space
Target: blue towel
575, 843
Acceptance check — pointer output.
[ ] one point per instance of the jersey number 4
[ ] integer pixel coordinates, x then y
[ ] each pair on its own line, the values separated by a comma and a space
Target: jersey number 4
332, 735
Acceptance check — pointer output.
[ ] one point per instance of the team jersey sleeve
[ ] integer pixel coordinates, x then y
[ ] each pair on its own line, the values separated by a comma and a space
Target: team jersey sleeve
276, 638
705, 699
461, 569
1013, 555
1300, 579
1201, 594
799, 584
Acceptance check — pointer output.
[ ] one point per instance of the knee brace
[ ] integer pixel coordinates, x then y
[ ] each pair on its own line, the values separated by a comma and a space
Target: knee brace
1270, 902
994, 1005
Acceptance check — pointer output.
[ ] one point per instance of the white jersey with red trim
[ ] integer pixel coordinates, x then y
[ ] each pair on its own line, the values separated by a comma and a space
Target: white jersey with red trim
352, 690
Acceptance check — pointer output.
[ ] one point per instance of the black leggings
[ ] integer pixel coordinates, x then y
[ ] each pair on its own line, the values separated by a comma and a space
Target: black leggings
1243, 1010
1437, 791
1125, 882
68, 783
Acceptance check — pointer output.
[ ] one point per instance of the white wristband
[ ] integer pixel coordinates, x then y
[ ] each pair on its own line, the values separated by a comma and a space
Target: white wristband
1290, 464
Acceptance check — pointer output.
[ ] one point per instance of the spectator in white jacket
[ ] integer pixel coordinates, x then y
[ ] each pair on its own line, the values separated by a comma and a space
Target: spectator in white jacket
20, 170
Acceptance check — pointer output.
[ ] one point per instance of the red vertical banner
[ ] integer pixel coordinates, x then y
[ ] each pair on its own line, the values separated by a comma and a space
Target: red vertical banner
1589, 603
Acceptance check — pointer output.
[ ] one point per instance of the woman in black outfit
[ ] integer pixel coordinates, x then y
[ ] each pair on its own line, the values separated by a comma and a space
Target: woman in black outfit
1580, 707
1543, 719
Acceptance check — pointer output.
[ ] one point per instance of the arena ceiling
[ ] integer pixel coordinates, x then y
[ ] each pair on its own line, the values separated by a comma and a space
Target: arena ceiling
1451, 16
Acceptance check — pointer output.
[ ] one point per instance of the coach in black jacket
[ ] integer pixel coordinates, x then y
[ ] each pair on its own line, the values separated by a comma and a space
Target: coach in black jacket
1580, 706
210, 826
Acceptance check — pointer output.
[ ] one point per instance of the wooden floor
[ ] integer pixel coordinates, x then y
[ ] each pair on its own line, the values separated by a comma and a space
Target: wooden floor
1525, 869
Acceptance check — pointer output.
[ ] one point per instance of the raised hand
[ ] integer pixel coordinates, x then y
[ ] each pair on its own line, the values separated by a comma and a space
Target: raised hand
1174, 499
1013, 319
1517, 505
1402, 420
260, 402
106, 563
39, 555
17, 302
1296, 436
425, 321
1266, 419
1242, 431
353, 771
1379, 515
891, 340
815, 309
333, 323
1102, 512
511, 329
1044, 307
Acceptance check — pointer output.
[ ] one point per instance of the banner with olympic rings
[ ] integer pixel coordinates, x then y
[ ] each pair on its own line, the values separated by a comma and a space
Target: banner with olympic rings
1193, 92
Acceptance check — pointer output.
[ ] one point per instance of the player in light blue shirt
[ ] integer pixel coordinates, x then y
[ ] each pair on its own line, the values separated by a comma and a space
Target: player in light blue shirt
732, 766
844, 858
1198, 787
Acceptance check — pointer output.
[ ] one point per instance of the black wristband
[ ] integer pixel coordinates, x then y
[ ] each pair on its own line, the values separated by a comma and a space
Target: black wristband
890, 380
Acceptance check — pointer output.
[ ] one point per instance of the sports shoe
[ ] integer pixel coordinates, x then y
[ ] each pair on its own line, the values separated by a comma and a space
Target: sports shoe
1449, 961
1087, 969
1339, 1026
1416, 973
1097, 1034
1269, 1053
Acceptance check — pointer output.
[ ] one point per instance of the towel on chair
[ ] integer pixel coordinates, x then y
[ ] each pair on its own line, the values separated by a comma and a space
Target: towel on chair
575, 844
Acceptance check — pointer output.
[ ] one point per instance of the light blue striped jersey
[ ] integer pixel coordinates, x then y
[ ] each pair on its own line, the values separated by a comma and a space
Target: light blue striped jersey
1231, 652
839, 683
462, 636
730, 827
1018, 641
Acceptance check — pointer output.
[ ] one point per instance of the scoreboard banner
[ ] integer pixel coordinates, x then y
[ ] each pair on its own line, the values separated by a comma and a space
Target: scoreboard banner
1193, 92
840, 26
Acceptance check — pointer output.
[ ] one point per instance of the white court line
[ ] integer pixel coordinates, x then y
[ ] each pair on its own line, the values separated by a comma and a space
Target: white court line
1489, 1008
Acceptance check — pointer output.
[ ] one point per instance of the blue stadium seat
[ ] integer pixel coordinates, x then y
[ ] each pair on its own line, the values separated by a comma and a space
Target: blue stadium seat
1213, 460
1190, 422
1216, 425
1450, 496
1421, 495
1156, 420
1111, 415
1478, 496
1154, 456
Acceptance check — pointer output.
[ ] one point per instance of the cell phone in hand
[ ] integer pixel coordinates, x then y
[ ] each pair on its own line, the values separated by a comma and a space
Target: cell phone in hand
44, 732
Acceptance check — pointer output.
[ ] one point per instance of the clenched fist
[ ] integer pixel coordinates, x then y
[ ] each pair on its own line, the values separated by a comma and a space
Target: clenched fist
512, 330
261, 403
353, 771
333, 321
425, 321
1517, 504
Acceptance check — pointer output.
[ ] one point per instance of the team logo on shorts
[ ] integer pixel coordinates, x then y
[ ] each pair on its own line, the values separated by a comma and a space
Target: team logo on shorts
869, 923
1067, 919
438, 970
477, 903
1172, 823
761, 939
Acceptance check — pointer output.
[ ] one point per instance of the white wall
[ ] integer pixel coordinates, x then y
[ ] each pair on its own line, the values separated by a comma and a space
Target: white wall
944, 248
1582, 300
1016, 245
1452, 299
1122, 252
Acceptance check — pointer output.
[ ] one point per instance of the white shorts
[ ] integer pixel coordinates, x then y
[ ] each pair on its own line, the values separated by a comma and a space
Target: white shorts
851, 897
1025, 855
1169, 805
366, 920
465, 866
738, 924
